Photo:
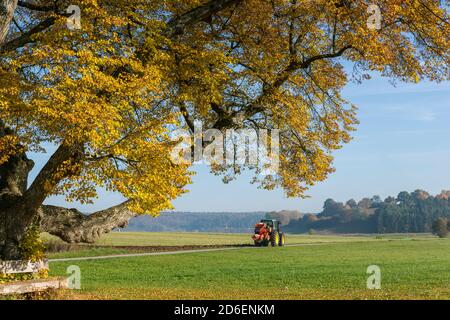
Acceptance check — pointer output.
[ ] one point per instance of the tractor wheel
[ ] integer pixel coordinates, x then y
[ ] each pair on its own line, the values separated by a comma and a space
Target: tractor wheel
274, 239
282, 240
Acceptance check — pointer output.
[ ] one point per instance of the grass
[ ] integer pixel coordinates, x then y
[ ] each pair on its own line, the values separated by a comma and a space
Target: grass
137, 242
330, 267
172, 239
138, 239
178, 238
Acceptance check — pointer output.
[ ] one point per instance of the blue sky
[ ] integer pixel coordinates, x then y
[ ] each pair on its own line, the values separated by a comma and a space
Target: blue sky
402, 143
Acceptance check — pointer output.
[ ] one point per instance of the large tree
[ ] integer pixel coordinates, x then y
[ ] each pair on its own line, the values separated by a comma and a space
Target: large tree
109, 95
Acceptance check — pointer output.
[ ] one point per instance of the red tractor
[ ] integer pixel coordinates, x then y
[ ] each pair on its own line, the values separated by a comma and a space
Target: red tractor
268, 231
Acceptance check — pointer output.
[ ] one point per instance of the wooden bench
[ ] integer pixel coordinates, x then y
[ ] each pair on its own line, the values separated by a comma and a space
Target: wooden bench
28, 286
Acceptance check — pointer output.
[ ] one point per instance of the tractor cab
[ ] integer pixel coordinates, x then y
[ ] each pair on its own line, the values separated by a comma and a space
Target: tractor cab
272, 223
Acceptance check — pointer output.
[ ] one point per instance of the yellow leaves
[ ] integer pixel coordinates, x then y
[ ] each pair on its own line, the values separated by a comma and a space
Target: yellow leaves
115, 86
92, 88
146, 176
201, 74
9, 145
32, 247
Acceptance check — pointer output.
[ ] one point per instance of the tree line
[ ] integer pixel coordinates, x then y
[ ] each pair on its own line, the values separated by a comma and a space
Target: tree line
415, 212
223, 222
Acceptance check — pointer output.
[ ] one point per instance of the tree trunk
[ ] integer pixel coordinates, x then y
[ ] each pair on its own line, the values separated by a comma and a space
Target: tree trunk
12, 174
14, 216
20, 206
7, 8
15, 219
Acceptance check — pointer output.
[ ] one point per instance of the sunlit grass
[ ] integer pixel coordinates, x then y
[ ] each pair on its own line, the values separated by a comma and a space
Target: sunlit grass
411, 268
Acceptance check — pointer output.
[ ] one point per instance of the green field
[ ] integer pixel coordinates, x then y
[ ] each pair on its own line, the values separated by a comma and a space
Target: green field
132, 242
325, 267
180, 238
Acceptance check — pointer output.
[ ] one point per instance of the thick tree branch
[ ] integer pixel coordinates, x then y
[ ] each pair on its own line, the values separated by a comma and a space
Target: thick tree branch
73, 226
36, 7
7, 8
46, 181
27, 37
186, 116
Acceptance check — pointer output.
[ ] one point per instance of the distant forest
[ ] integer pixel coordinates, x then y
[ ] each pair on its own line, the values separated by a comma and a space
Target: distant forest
225, 222
407, 213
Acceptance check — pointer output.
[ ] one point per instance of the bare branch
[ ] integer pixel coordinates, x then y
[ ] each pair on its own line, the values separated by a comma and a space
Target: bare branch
36, 7
177, 26
27, 37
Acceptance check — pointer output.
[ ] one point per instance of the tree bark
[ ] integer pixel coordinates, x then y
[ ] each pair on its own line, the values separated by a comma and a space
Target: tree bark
16, 219
73, 226
13, 184
7, 8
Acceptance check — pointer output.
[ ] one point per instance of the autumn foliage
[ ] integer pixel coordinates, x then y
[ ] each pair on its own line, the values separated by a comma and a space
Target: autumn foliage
112, 93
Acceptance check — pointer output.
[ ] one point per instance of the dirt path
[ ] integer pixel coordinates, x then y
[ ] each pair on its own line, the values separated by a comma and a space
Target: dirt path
130, 255
161, 253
